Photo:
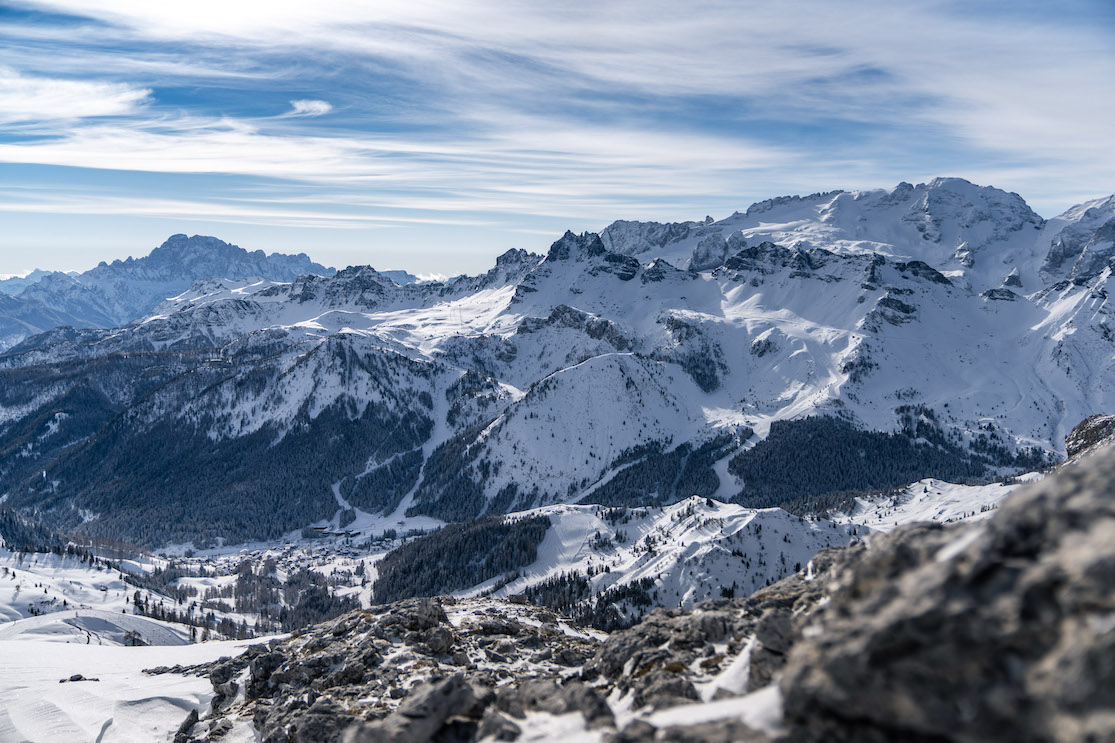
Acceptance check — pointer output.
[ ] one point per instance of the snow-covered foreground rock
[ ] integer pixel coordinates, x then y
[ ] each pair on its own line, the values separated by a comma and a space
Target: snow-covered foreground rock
993, 630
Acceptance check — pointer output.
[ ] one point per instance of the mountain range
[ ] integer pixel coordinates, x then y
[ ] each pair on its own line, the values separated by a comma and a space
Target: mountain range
114, 294
786, 355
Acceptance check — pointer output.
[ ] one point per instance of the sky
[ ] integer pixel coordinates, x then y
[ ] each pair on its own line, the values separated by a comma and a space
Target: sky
434, 135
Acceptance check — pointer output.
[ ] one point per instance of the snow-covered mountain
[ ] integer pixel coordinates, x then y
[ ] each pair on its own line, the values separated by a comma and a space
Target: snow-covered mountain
21, 318
111, 295
608, 566
807, 346
13, 284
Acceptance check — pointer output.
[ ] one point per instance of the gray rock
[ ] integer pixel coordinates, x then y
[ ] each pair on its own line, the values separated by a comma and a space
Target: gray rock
182, 735
993, 631
439, 640
1091, 432
497, 726
636, 731
547, 695
499, 626
720, 731
665, 690
423, 713
413, 615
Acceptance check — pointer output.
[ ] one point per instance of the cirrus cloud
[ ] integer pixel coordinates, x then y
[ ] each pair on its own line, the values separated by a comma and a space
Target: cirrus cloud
307, 107
530, 117
30, 98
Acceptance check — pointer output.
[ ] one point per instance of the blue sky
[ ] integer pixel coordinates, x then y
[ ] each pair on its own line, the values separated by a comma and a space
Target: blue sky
434, 135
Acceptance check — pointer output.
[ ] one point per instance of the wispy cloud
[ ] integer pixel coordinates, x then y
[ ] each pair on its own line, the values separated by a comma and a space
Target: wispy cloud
517, 111
306, 107
528, 166
29, 98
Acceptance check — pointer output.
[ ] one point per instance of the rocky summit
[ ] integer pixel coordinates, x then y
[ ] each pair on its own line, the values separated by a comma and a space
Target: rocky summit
1002, 629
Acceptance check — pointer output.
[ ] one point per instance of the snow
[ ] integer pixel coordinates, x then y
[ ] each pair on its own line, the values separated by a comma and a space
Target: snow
734, 677
49, 597
932, 500
542, 727
93, 627
689, 550
122, 705
761, 710
38, 583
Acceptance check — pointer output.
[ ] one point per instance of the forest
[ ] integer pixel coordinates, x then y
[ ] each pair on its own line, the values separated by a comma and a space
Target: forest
459, 556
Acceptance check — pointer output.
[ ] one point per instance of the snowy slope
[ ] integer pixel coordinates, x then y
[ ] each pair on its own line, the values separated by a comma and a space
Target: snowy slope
1081, 241
123, 704
565, 433
932, 500
13, 284
689, 551
21, 318
62, 598
94, 627
41, 583
978, 233
699, 548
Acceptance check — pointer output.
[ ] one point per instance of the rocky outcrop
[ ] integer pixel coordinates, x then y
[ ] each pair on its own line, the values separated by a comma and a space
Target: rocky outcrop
1092, 432
994, 630
406, 672
999, 630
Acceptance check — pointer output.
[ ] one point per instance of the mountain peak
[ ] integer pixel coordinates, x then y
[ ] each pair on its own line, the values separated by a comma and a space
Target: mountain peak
181, 248
573, 246
114, 294
952, 183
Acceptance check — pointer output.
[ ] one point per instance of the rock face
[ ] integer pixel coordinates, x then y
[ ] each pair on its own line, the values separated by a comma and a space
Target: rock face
999, 630
1090, 433
407, 672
